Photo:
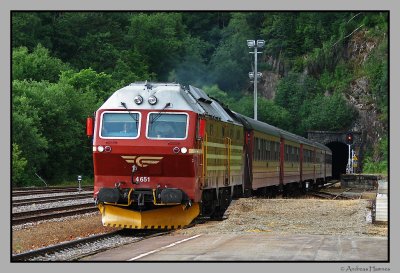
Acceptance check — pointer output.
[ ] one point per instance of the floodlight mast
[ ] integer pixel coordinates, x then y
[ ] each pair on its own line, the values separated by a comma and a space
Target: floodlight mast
255, 75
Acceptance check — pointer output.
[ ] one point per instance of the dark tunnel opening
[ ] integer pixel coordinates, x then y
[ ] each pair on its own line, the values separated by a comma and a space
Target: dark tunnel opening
339, 158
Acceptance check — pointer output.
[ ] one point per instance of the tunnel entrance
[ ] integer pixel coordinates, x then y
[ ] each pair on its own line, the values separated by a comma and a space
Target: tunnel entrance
339, 158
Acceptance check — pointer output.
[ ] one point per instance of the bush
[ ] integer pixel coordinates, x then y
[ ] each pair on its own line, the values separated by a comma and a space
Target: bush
19, 164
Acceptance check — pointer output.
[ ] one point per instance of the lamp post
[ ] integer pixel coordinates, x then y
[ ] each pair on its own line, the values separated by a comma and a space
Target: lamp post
255, 45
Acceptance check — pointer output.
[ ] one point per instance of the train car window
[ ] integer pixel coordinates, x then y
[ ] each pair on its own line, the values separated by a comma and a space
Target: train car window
266, 150
286, 152
119, 125
263, 149
167, 126
273, 156
294, 154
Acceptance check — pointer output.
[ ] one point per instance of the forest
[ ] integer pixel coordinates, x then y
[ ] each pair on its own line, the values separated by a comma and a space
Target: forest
66, 64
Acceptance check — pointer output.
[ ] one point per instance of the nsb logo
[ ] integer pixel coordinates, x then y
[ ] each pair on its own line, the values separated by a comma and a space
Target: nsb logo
142, 161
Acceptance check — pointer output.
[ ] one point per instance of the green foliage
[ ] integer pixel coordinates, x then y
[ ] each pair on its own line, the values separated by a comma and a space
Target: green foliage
48, 127
94, 38
65, 64
373, 167
216, 93
88, 80
28, 30
292, 34
292, 92
273, 114
231, 60
376, 22
19, 164
192, 69
37, 66
158, 38
331, 113
338, 81
378, 162
268, 111
27, 131
130, 67
377, 158
376, 70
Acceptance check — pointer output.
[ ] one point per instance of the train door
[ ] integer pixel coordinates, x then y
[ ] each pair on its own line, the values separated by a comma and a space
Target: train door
301, 162
282, 164
228, 151
248, 158
315, 163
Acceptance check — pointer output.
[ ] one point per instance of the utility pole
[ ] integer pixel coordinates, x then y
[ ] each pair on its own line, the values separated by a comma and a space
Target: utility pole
255, 75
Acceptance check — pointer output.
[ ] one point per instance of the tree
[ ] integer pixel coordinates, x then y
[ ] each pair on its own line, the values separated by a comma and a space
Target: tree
48, 125
19, 164
88, 80
292, 92
273, 114
131, 67
158, 38
330, 113
192, 69
231, 61
27, 129
37, 66
28, 30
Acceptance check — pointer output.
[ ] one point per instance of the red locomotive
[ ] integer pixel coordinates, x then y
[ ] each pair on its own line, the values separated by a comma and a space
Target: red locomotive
163, 154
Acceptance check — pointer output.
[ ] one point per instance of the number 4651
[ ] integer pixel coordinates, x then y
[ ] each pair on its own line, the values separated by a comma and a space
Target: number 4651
142, 179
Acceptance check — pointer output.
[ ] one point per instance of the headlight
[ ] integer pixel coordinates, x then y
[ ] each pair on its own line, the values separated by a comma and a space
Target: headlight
184, 150
138, 99
100, 149
152, 100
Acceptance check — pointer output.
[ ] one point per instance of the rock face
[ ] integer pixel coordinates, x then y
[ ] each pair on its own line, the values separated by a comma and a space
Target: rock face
269, 83
360, 46
359, 94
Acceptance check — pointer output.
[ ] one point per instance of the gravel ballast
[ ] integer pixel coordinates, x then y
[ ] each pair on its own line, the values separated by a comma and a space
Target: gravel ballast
278, 216
294, 216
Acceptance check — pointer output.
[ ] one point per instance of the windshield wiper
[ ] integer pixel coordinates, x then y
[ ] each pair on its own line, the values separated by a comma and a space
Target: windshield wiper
130, 114
159, 113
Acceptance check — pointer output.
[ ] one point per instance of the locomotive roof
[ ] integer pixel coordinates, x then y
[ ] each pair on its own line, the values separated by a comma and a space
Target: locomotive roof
170, 96
173, 96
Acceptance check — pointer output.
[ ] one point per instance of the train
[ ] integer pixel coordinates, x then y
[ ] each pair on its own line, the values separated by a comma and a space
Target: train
165, 154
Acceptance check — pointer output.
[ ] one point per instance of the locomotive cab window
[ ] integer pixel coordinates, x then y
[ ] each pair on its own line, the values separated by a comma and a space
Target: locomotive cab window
167, 126
119, 125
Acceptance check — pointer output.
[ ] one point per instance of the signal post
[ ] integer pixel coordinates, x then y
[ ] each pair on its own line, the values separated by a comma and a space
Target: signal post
350, 161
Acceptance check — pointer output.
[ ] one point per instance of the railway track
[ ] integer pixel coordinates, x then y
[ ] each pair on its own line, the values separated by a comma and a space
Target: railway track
33, 191
49, 199
332, 196
330, 184
80, 248
57, 212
